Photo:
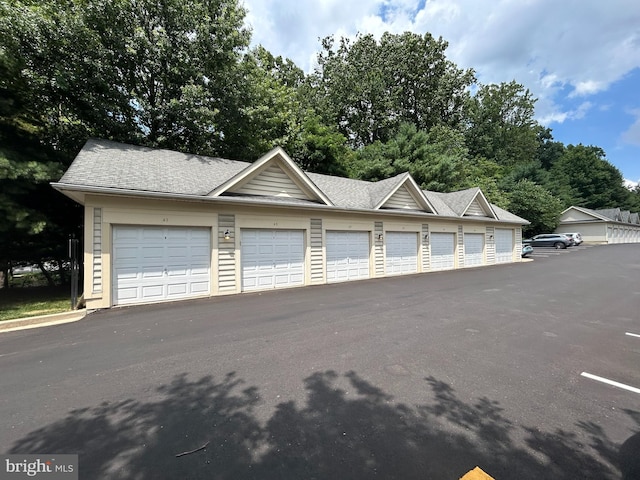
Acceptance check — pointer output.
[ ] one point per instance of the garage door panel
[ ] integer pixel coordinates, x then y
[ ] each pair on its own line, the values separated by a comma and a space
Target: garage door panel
347, 256
151, 234
155, 291
401, 252
473, 249
443, 248
125, 294
154, 271
152, 252
125, 253
159, 263
199, 288
504, 245
200, 270
272, 258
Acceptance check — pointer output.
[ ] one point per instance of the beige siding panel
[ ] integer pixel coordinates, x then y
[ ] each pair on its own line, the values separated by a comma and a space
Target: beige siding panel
518, 243
574, 215
317, 262
475, 210
97, 250
591, 232
378, 246
226, 253
402, 200
272, 181
490, 246
460, 247
426, 258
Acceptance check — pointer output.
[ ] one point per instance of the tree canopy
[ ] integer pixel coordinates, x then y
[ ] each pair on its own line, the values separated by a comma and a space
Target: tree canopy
181, 75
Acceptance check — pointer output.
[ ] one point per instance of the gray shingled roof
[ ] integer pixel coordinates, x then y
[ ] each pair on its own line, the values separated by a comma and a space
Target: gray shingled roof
612, 213
107, 164
459, 201
102, 163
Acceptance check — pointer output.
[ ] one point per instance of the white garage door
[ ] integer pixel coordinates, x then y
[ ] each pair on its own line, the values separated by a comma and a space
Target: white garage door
443, 248
152, 264
347, 256
272, 259
473, 249
401, 252
504, 245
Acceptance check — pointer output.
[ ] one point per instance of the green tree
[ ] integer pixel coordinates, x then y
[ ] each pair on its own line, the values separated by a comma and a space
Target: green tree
435, 159
159, 73
591, 181
501, 124
536, 204
370, 88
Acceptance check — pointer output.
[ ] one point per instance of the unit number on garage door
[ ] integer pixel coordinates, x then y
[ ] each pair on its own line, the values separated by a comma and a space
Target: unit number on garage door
272, 258
347, 256
152, 264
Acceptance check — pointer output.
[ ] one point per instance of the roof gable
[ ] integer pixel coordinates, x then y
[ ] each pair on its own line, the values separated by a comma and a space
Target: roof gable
576, 214
402, 199
479, 206
275, 175
405, 194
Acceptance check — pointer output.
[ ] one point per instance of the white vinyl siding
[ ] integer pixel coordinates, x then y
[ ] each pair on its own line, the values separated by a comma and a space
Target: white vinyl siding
475, 210
402, 200
272, 259
378, 248
97, 250
154, 263
316, 251
443, 249
272, 181
490, 245
504, 245
347, 256
426, 264
473, 249
401, 253
226, 253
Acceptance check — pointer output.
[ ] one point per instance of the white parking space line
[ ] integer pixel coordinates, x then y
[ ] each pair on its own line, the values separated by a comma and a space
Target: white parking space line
610, 382
632, 334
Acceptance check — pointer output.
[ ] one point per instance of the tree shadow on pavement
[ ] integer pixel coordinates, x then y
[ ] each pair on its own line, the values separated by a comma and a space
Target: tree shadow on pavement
361, 433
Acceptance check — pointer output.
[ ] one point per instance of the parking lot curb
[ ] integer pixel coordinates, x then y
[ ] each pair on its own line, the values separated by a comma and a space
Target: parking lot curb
42, 321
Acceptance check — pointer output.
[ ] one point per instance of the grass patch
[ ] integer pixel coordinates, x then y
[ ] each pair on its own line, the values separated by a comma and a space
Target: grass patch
32, 301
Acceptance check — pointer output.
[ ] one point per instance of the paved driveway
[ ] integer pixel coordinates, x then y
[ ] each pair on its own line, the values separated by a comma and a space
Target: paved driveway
418, 377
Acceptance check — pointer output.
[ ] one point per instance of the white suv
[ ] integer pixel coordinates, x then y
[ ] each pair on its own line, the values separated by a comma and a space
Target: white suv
577, 238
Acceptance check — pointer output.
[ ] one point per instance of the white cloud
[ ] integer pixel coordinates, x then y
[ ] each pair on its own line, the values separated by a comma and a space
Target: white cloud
559, 50
632, 134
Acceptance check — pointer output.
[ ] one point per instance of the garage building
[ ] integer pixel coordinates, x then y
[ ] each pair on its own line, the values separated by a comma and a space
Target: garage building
605, 226
162, 225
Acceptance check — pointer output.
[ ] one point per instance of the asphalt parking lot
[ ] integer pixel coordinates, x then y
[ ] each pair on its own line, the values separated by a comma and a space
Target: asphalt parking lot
414, 377
544, 252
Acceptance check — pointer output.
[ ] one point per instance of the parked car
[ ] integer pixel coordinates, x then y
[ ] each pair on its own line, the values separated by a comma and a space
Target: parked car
526, 250
577, 238
556, 240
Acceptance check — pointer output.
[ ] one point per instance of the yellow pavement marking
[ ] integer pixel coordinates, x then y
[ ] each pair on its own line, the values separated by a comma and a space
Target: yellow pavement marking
477, 474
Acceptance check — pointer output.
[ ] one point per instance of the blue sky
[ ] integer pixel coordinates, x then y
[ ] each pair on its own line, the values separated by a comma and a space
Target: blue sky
580, 58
